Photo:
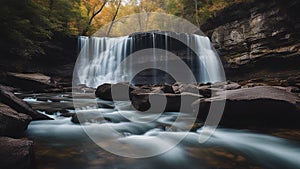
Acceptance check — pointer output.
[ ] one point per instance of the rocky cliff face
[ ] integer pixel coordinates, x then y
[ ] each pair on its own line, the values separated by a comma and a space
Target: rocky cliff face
251, 37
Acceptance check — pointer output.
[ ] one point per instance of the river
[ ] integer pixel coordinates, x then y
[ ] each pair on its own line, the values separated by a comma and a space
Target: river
61, 144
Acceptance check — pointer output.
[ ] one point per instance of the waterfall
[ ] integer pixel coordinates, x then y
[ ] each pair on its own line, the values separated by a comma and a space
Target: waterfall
154, 57
209, 63
100, 56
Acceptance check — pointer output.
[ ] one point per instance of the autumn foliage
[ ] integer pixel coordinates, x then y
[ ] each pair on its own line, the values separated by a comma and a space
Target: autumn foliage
35, 28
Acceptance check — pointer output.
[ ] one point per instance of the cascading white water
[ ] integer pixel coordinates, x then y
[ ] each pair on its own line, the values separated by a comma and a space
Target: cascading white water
154, 56
100, 56
98, 59
209, 63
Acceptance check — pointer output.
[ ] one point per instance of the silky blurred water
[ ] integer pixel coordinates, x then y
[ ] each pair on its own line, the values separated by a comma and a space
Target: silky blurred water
61, 144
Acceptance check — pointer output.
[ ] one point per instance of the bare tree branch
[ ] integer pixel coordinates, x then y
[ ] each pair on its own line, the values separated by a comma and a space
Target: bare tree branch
114, 18
93, 16
97, 12
196, 13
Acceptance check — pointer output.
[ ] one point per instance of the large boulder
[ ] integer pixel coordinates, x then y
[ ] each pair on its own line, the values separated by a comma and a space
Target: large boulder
16, 153
12, 123
7, 97
30, 81
104, 91
262, 106
140, 95
141, 101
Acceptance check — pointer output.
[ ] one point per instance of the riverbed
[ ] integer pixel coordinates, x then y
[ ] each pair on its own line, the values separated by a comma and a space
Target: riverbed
61, 144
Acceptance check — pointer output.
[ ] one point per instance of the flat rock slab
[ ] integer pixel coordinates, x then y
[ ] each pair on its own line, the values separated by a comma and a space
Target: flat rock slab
33, 76
262, 106
260, 92
16, 153
30, 81
8, 98
12, 123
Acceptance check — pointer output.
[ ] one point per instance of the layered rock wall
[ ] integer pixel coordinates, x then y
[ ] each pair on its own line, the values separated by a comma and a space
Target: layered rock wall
252, 36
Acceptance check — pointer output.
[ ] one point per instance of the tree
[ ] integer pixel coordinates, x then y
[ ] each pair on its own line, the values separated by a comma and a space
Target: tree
114, 17
63, 15
35, 29
196, 13
93, 8
22, 28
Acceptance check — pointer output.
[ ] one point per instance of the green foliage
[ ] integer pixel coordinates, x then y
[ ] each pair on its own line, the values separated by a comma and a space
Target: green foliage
28, 26
37, 29
19, 29
205, 8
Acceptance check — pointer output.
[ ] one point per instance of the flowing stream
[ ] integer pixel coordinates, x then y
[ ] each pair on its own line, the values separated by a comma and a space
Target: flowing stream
61, 144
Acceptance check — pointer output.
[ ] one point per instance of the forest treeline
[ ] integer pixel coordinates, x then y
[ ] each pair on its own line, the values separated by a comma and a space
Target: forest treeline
33, 29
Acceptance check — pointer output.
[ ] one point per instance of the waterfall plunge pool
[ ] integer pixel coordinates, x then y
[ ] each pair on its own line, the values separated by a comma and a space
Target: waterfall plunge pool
61, 144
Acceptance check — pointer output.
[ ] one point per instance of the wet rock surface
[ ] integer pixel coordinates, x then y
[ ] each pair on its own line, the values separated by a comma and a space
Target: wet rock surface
262, 106
12, 123
7, 97
142, 101
16, 153
246, 104
30, 81
104, 91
